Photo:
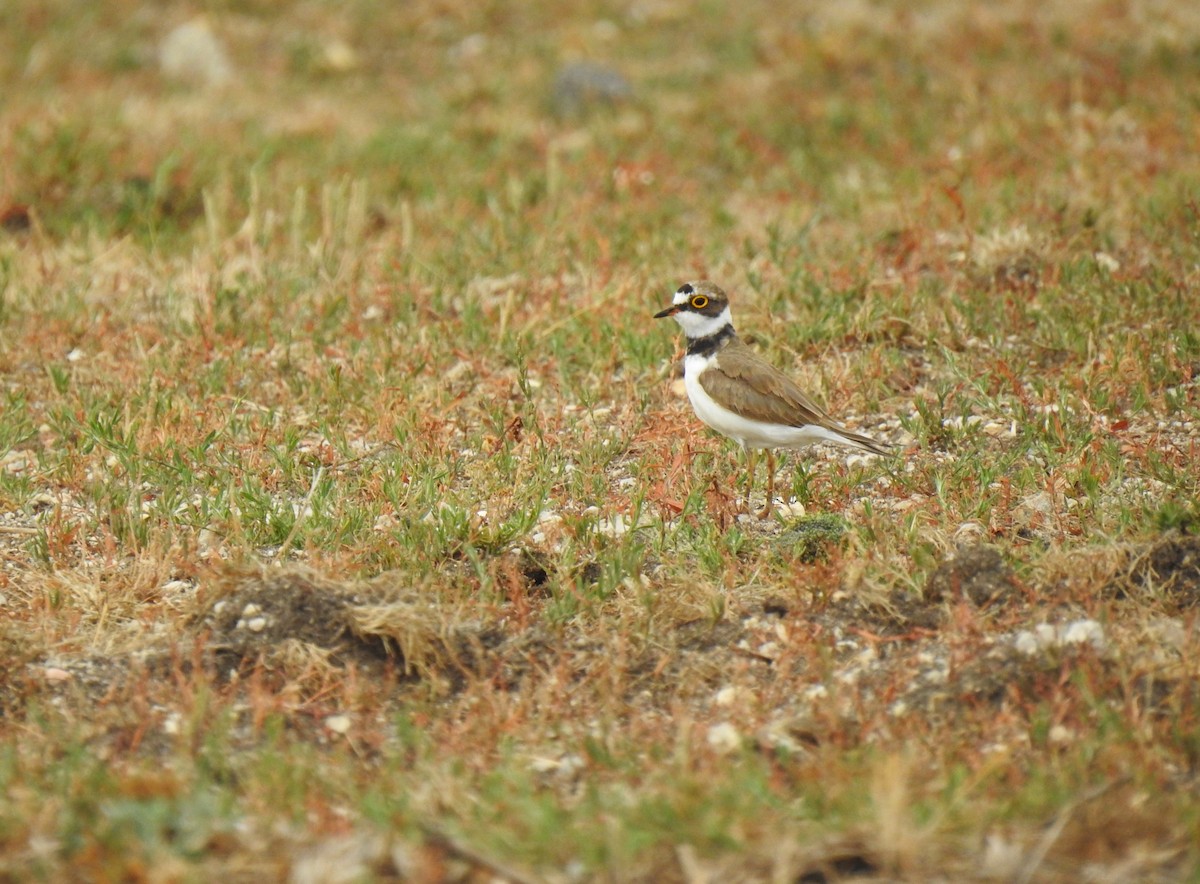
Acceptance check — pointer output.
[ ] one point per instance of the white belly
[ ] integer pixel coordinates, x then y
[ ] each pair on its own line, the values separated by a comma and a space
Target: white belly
749, 433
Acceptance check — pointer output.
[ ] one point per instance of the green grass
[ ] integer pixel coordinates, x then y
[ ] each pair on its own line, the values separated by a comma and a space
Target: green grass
381, 323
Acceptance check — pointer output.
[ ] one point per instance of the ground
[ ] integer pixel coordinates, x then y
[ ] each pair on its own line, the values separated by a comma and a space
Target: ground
354, 524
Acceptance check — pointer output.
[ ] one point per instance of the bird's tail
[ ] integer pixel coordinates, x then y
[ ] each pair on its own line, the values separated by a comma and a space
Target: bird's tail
866, 443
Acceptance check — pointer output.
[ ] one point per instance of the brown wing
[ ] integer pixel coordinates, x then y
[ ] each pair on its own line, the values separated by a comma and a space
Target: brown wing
762, 392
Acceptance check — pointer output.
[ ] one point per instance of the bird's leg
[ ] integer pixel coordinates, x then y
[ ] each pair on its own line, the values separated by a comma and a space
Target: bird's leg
770, 504
751, 459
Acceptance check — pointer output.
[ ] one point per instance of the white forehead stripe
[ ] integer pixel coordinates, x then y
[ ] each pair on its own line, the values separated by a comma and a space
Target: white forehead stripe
681, 296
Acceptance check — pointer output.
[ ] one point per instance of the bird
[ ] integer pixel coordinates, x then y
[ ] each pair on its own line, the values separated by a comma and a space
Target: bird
742, 396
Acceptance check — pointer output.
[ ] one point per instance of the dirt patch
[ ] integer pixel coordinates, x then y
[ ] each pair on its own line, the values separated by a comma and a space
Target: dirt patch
297, 620
896, 614
1168, 569
976, 573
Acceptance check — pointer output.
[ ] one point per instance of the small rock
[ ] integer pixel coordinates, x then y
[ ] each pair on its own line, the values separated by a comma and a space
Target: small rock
1083, 632
724, 738
208, 543
1026, 643
1047, 636
727, 696
1041, 503
339, 56
338, 724
192, 54
581, 86
969, 532
1059, 735
177, 587
53, 673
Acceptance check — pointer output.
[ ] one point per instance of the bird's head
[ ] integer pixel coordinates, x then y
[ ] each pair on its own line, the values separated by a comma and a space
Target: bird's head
701, 308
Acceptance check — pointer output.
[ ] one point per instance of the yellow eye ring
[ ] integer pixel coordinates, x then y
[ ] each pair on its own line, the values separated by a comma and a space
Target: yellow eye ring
699, 302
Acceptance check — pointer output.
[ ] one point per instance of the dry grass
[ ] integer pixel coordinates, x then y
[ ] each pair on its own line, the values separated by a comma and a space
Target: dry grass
351, 527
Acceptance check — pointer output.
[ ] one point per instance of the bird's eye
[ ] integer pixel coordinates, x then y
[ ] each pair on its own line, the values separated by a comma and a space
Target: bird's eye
699, 302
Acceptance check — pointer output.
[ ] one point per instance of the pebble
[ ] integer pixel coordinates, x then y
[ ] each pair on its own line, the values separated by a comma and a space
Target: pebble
581, 86
1059, 734
191, 53
969, 532
727, 696
1046, 636
724, 738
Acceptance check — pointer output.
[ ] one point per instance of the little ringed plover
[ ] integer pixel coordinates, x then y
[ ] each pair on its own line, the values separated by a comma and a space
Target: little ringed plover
740, 394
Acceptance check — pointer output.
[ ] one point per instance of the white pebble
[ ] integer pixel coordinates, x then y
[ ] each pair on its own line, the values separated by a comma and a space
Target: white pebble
1084, 632
727, 696
724, 738
192, 53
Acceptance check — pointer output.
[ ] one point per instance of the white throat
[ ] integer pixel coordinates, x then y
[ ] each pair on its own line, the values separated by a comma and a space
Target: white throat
696, 325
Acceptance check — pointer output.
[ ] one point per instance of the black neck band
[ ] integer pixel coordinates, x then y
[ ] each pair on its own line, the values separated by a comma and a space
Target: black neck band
710, 344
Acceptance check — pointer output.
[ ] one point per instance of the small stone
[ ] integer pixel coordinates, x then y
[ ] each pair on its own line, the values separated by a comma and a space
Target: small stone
53, 673
339, 57
582, 86
969, 532
1026, 643
727, 696
1059, 735
1041, 502
338, 724
192, 54
724, 738
208, 543
1082, 632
